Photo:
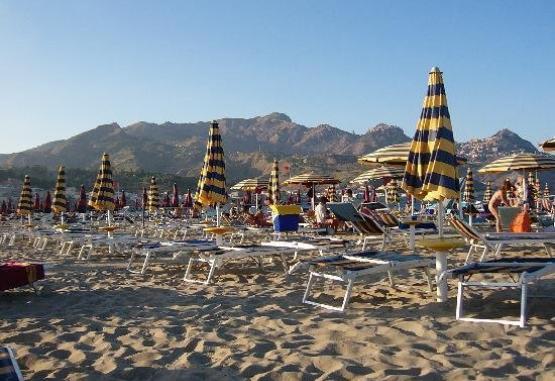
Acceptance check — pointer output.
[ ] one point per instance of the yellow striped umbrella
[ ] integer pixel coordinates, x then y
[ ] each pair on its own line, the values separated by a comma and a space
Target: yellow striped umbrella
254, 184
310, 179
383, 172
273, 190
153, 198
520, 161
488, 193
59, 204
394, 155
468, 194
211, 185
392, 192
431, 170
25, 204
102, 198
548, 145
546, 191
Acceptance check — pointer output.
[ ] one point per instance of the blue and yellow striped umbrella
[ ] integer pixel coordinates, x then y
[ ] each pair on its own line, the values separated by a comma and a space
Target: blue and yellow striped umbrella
59, 204
273, 189
25, 204
153, 202
211, 184
431, 170
102, 197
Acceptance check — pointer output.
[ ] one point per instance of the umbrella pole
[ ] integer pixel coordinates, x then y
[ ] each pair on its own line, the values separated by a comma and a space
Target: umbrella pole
62, 218
218, 214
313, 200
440, 218
256, 201
109, 217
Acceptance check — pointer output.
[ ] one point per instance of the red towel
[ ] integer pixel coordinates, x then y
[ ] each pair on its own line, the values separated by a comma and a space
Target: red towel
17, 274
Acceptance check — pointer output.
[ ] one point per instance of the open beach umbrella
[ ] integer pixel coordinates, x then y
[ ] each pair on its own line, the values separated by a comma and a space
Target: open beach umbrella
273, 189
310, 180
251, 185
520, 162
82, 203
47, 203
102, 197
431, 169
548, 145
379, 173
175, 196
123, 199
394, 155
59, 204
153, 202
211, 188
488, 193
468, 194
25, 204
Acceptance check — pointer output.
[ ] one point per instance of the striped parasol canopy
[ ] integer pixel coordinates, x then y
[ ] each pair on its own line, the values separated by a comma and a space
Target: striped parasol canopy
546, 191
273, 190
431, 170
468, 194
548, 145
102, 197
391, 172
211, 184
257, 183
395, 155
520, 161
488, 193
25, 204
310, 179
59, 204
392, 191
153, 202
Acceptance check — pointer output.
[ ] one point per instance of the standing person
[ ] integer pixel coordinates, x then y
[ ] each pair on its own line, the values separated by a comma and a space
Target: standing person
498, 198
320, 211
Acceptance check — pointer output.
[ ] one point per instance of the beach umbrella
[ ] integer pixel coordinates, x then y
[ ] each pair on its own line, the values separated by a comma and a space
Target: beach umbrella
10, 205
468, 194
520, 162
382, 172
188, 200
25, 204
394, 155
251, 185
211, 184
175, 196
247, 200
36, 204
310, 180
145, 198
102, 197
123, 199
392, 192
153, 202
60, 202
431, 169
546, 191
366, 197
273, 189
167, 201
299, 198
47, 203
82, 203
117, 203
488, 193
548, 145
4, 207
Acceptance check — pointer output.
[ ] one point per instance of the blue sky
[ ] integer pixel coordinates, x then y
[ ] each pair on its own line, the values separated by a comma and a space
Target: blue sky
67, 66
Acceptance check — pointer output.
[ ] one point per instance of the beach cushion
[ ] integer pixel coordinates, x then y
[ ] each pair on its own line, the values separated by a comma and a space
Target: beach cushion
18, 274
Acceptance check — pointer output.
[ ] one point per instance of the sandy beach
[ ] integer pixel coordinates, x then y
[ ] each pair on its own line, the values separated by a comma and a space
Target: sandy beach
95, 321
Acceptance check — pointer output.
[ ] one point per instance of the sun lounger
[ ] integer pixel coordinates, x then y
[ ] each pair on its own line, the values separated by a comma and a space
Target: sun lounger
364, 225
494, 242
216, 258
152, 250
348, 268
19, 274
9, 370
528, 270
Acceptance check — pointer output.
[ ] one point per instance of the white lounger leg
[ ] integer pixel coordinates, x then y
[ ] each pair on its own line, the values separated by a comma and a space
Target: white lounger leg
470, 251
523, 304
188, 273
346, 297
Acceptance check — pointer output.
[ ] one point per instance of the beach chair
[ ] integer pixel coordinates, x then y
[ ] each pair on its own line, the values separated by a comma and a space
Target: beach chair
348, 268
9, 370
218, 257
494, 242
365, 225
528, 271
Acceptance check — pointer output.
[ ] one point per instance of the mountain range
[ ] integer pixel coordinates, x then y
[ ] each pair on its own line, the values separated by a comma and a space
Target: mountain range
250, 145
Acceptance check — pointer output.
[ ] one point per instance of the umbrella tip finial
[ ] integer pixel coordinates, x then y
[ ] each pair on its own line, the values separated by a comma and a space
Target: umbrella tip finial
435, 69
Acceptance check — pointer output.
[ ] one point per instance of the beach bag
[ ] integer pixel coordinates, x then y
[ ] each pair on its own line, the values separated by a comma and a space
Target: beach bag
521, 223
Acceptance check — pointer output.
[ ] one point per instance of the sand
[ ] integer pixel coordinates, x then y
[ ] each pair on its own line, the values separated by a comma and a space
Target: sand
94, 321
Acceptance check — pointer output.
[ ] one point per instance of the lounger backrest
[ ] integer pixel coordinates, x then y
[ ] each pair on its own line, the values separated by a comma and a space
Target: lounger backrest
387, 218
463, 229
345, 211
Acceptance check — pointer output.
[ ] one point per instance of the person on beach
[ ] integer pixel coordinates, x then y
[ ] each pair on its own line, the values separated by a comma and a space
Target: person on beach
500, 198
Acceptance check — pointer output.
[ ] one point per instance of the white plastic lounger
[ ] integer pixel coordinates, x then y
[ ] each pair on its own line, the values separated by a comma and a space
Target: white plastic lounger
529, 271
9, 370
494, 242
348, 268
219, 257
162, 249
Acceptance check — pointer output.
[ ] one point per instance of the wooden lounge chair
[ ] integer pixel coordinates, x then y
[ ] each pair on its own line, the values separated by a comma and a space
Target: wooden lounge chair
348, 268
528, 270
494, 242
9, 370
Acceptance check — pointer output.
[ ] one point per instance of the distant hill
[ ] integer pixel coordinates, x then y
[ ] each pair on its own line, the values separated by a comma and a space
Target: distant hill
502, 143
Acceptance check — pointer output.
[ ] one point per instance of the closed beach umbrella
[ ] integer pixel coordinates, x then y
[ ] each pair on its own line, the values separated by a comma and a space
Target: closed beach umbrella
59, 204
488, 193
145, 198
546, 191
47, 203
123, 199
273, 190
392, 192
25, 204
468, 194
366, 197
431, 170
10, 205
175, 196
36, 205
102, 198
211, 184
167, 201
4, 207
153, 199
188, 201
82, 203
383, 172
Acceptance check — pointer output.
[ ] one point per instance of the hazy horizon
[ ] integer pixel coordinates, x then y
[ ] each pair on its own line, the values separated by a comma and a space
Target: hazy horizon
67, 67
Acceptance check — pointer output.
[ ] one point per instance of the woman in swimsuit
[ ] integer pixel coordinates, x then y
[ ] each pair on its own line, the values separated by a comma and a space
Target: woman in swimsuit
498, 198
